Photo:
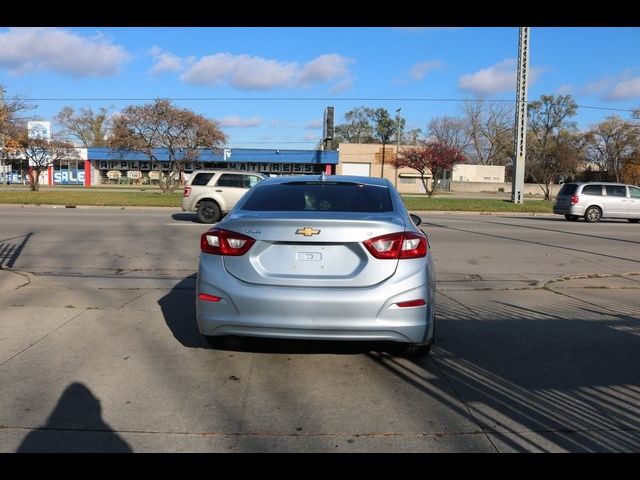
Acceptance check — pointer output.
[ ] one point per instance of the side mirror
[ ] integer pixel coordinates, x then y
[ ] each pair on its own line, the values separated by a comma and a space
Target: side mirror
416, 219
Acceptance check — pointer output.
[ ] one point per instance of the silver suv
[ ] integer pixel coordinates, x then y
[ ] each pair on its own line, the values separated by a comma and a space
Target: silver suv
596, 200
212, 193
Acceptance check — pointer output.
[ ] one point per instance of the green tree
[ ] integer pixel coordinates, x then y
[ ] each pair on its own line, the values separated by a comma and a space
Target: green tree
610, 144
357, 127
181, 132
384, 129
551, 134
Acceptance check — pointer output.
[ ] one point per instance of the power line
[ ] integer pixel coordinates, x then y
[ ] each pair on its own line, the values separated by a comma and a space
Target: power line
298, 99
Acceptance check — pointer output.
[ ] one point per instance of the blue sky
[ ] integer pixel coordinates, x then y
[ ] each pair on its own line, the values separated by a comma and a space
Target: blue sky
230, 69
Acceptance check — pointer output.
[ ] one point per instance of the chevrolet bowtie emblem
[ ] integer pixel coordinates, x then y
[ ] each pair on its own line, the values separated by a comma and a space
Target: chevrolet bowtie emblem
307, 231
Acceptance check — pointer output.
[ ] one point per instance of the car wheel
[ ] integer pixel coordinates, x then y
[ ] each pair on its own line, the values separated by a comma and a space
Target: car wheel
571, 218
633, 220
414, 350
592, 214
208, 212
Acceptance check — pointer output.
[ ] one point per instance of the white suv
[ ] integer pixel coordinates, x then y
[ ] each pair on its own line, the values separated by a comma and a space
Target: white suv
212, 193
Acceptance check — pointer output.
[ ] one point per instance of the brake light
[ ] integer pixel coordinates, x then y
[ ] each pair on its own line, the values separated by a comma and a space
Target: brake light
224, 242
412, 303
397, 245
574, 199
187, 191
208, 298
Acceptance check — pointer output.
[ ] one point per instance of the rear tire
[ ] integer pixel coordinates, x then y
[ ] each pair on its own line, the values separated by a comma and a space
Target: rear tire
592, 214
633, 220
208, 212
571, 218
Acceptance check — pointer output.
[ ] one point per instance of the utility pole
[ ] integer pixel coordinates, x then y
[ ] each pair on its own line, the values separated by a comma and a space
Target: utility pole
520, 141
397, 145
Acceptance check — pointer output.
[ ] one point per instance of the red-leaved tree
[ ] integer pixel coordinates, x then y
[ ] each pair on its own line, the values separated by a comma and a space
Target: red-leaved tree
431, 158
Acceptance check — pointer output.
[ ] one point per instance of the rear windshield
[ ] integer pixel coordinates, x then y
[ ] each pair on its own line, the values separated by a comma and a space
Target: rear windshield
568, 189
202, 178
321, 196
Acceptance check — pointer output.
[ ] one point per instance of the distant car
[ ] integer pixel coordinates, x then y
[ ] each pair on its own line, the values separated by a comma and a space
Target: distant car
596, 200
212, 193
315, 257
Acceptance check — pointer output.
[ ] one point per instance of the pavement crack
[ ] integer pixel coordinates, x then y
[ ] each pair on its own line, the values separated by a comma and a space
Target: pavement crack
40, 339
466, 406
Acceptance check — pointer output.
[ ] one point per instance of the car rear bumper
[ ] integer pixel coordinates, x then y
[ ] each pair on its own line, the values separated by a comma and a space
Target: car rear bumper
571, 210
368, 314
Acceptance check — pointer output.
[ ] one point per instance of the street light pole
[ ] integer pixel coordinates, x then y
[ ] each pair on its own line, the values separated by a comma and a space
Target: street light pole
397, 145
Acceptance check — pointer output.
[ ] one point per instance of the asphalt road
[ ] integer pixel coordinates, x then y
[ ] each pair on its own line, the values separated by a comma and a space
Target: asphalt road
537, 347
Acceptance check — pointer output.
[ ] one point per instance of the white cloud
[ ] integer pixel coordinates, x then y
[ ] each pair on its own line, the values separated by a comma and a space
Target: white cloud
166, 62
625, 89
324, 68
498, 78
621, 86
565, 89
28, 50
240, 71
342, 86
237, 122
247, 72
312, 124
419, 70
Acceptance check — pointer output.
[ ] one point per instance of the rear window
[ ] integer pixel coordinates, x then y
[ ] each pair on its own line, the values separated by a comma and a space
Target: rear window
202, 178
321, 196
592, 190
568, 189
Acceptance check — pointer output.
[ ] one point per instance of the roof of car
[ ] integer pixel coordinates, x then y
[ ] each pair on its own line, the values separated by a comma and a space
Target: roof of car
381, 182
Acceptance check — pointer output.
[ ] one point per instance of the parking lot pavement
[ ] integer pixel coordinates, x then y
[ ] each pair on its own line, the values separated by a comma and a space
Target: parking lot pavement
98, 363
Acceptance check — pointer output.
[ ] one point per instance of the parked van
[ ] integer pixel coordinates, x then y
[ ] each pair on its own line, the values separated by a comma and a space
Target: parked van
596, 200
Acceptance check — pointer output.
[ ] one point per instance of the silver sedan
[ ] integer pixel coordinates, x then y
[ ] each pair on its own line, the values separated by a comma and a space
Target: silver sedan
315, 257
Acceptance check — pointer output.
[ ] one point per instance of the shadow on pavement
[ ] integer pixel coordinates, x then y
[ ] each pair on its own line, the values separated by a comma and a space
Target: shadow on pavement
75, 425
540, 382
185, 217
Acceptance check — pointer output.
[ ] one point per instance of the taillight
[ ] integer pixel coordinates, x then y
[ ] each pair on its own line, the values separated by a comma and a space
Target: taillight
224, 242
208, 298
412, 303
574, 199
397, 245
187, 191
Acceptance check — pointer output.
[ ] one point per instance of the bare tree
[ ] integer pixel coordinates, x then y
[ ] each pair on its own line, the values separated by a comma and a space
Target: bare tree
13, 120
181, 132
39, 154
88, 127
610, 144
411, 137
449, 131
551, 134
490, 130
